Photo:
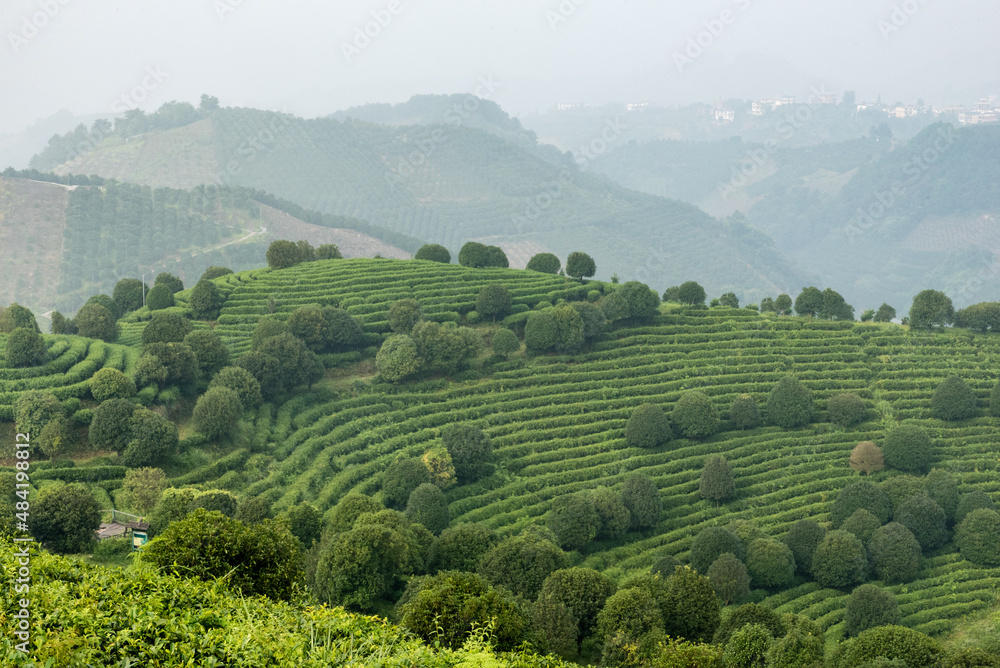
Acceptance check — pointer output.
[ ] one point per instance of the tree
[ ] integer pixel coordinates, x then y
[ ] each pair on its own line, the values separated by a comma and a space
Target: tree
143, 488
470, 449
306, 523
445, 348
16, 316
888, 643
546, 263
205, 300
434, 253
404, 315
522, 563
642, 498
580, 265
296, 364
647, 427
400, 479
449, 607
33, 410
592, 317
218, 500
695, 415
783, 304
840, 560
569, 329
159, 297
866, 457
350, 507
555, 626
108, 303
428, 506
729, 578
208, 102
329, 252
860, 494
867, 315
461, 547
493, 301
110, 383
931, 308
60, 325
439, 465
614, 516
476, 255
641, 301
266, 328
574, 521
770, 563
217, 412
862, 524
397, 358
713, 542
894, 553
54, 438
152, 438
631, 612
925, 519
954, 400
64, 518
308, 324
344, 331
541, 331
179, 361
209, 351
729, 299
900, 488
943, 488
751, 613
25, 347
908, 448
169, 281
690, 608
260, 559
584, 592
972, 501
846, 409
96, 322
802, 539
282, 254
978, 537
129, 294
691, 293
111, 428
744, 413
748, 647
834, 307
870, 606
790, 403
505, 342
242, 383
795, 650
885, 313
166, 327
809, 302
716, 481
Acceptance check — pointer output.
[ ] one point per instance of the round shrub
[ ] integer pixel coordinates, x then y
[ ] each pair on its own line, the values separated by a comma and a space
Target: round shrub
954, 400
846, 409
205, 300
770, 563
900, 488
894, 553
972, 501
748, 647
24, 347
978, 537
242, 382
840, 561
615, 518
461, 548
860, 494
494, 301
751, 613
632, 612
428, 506
215, 272
870, 606
744, 412
397, 358
574, 520
110, 383
862, 524
168, 280
695, 416
159, 297
580, 265
433, 253
711, 543
400, 479
892, 642
505, 342
522, 563
96, 322
642, 498
908, 448
647, 427
547, 263
802, 539
795, 650
583, 591
541, 332
716, 482
789, 403
217, 412
729, 578
690, 607
209, 350
404, 315
943, 488
925, 519
165, 328
471, 451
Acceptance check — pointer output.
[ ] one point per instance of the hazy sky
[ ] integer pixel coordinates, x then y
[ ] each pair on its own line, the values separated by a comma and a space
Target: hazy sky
84, 55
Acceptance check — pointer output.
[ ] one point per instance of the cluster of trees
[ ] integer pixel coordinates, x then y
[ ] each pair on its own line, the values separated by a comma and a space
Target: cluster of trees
604, 514
282, 253
419, 346
25, 345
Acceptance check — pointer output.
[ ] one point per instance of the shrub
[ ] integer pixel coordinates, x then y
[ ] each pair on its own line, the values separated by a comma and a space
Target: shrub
729, 578
282, 254
110, 383
925, 519
209, 351
522, 563
748, 647
397, 358
428, 506
978, 537
400, 479
583, 591
574, 520
802, 539
254, 510
789, 403
694, 415
541, 331
860, 494
153, 437
642, 498
305, 522
63, 519
217, 412
711, 543
242, 382
632, 612
744, 413
476, 255
846, 409
494, 300
216, 500
690, 608
404, 315
751, 613
215, 272
770, 563
329, 252
205, 300
716, 481
795, 650
433, 253
870, 606
24, 347
647, 427
471, 451
954, 400
866, 457
96, 322
729, 299
350, 507
862, 524
972, 501
894, 553
892, 642
900, 488
943, 488
159, 297
547, 263
614, 516
461, 548
505, 342
840, 561
165, 328
111, 428
142, 488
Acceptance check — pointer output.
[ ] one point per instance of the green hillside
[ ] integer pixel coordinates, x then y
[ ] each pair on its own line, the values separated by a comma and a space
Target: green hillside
447, 184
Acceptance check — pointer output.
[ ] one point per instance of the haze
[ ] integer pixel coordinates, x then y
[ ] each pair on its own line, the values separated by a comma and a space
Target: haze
291, 56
